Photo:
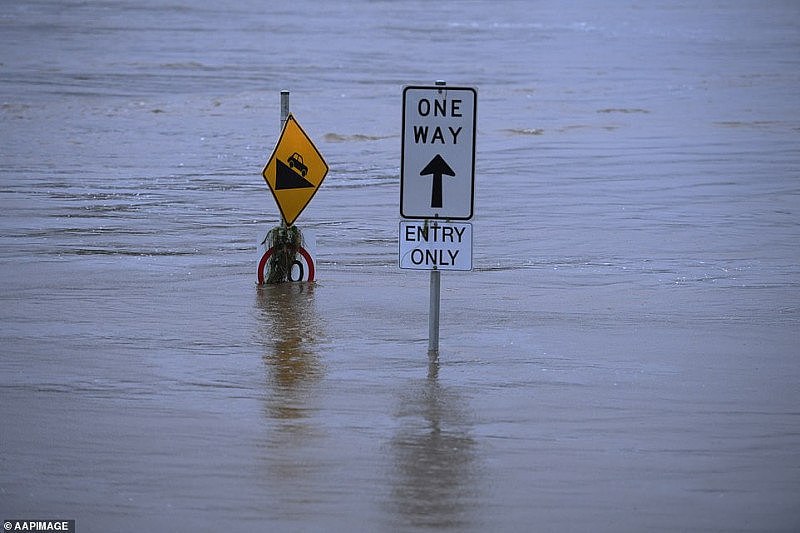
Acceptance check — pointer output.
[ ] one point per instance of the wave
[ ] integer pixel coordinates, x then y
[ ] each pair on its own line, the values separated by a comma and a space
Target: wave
622, 110
525, 131
341, 138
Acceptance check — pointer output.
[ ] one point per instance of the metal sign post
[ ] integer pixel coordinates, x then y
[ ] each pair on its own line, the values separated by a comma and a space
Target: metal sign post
284, 118
435, 301
294, 173
433, 314
284, 107
437, 186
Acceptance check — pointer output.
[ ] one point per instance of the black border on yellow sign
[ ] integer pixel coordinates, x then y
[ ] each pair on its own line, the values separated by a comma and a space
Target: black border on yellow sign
274, 153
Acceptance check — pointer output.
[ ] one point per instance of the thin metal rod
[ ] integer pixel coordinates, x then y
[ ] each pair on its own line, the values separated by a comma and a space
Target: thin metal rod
433, 310
433, 314
284, 107
284, 118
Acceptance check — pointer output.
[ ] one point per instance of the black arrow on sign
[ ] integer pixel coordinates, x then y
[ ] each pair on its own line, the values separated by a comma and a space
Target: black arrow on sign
437, 166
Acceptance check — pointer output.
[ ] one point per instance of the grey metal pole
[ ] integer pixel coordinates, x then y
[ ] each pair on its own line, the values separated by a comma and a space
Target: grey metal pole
284, 107
433, 315
433, 308
284, 118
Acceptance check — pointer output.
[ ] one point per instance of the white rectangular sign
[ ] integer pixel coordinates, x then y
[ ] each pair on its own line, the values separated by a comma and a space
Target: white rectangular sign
435, 245
437, 166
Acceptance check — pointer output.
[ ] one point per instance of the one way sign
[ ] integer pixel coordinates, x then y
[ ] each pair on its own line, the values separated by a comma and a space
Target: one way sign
437, 168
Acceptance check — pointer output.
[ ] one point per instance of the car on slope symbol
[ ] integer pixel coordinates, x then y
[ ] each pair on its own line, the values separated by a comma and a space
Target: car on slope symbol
296, 162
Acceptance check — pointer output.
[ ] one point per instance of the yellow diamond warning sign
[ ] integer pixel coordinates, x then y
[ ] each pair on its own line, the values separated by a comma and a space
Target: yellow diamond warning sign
295, 170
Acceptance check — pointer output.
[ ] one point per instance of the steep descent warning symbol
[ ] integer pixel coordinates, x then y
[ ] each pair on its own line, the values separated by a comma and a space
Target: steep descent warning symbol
295, 170
286, 177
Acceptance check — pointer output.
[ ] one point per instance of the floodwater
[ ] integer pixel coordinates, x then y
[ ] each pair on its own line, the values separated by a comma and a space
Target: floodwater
623, 356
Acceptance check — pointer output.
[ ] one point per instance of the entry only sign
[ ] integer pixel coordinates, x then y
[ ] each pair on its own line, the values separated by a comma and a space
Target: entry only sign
435, 245
437, 167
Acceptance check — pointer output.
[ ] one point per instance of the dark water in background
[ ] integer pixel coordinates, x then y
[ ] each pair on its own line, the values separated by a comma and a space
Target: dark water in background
622, 358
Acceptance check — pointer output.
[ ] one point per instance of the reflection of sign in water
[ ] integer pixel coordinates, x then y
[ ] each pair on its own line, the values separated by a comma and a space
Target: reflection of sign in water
289, 330
304, 266
435, 475
295, 170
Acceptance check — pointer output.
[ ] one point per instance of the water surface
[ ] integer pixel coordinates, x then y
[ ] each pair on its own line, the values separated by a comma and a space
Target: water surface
623, 357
